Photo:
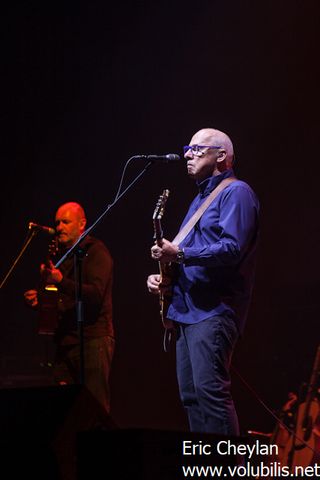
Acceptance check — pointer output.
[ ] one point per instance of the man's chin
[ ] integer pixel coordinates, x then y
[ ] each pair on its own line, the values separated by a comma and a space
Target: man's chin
63, 243
192, 175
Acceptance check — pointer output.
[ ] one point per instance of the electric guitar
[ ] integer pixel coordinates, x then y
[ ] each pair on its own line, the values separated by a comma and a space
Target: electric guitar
48, 299
164, 268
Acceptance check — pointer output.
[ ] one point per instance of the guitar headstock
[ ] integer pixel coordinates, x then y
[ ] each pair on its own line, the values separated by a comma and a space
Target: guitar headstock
158, 214
159, 210
53, 248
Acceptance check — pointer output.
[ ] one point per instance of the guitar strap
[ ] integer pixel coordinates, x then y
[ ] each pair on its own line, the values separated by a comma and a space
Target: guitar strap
203, 207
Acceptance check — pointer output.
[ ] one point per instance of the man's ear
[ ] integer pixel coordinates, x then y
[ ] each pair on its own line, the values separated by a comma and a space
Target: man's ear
83, 223
222, 155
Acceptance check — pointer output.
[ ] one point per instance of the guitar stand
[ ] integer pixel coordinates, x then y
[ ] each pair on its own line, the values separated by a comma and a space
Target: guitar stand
294, 431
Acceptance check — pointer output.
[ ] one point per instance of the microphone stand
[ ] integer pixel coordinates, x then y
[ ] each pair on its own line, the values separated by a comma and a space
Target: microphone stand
23, 249
78, 253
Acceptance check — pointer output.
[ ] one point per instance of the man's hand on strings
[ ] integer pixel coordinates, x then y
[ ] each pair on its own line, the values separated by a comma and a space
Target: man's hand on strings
153, 283
164, 251
50, 273
156, 284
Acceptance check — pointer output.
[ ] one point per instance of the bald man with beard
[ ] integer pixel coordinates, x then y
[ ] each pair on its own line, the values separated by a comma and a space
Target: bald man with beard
98, 332
212, 285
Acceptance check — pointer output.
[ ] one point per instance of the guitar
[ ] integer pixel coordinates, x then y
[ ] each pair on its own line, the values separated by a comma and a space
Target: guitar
164, 268
281, 433
48, 299
302, 446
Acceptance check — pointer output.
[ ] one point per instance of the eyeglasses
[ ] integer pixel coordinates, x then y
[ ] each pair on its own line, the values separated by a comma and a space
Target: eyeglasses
197, 150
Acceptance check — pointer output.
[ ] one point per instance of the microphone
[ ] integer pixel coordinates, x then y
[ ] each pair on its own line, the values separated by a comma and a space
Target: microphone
169, 157
42, 228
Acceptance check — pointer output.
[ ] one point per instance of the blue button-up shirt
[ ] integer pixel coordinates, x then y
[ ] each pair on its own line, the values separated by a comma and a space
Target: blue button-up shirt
217, 275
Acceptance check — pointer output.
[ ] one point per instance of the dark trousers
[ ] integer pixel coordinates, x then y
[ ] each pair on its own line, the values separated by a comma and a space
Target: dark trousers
98, 353
204, 352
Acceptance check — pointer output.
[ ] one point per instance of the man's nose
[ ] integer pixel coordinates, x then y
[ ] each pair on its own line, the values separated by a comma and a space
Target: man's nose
188, 154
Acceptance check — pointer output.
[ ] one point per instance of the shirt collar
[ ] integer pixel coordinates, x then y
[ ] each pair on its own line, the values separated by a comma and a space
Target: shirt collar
209, 184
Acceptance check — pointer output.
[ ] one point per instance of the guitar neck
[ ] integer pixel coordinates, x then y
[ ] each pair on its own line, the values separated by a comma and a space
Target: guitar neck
311, 388
314, 377
158, 236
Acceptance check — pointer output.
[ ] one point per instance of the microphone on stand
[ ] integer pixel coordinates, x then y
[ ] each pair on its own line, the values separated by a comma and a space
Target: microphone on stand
169, 157
42, 228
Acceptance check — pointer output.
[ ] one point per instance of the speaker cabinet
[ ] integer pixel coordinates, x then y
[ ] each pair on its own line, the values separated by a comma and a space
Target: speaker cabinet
39, 426
146, 454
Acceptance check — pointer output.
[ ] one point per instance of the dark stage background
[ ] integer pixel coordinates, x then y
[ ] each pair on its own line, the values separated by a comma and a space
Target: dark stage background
86, 85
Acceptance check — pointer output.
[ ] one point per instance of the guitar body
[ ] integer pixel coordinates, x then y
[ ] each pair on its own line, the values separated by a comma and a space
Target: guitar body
166, 275
48, 310
300, 449
48, 300
303, 443
281, 435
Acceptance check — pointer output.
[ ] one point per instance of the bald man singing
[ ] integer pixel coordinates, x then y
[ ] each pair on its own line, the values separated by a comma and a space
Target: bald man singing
213, 281
98, 332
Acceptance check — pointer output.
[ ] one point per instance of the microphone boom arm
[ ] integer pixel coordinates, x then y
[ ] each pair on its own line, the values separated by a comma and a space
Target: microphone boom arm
23, 249
103, 214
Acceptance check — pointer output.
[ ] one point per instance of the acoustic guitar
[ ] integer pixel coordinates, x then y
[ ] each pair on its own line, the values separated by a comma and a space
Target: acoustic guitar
302, 447
165, 269
285, 425
48, 299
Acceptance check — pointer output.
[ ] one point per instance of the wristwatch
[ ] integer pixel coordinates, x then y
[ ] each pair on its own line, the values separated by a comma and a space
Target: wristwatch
180, 256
